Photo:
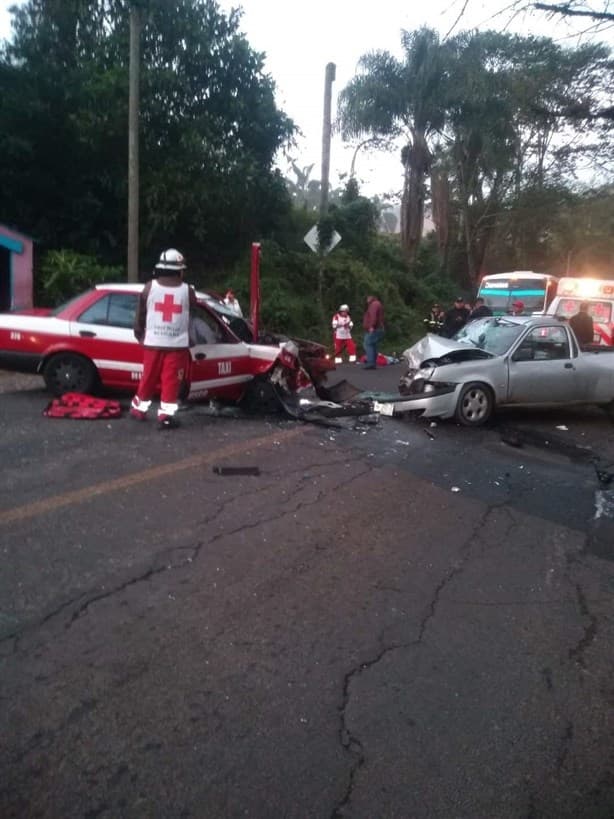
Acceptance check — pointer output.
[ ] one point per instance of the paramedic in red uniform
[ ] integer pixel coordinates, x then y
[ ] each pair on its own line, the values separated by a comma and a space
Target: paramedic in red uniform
162, 326
342, 332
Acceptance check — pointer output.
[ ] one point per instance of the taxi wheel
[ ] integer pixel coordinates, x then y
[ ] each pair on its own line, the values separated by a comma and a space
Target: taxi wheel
184, 390
67, 372
475, 405
261, 397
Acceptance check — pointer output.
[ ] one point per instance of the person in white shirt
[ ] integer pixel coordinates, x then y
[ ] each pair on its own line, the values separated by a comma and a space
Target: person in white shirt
161, 325
342, 333
230, 300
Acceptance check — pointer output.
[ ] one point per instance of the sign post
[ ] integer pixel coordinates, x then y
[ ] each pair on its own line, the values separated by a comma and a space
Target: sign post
312, 241
254, 304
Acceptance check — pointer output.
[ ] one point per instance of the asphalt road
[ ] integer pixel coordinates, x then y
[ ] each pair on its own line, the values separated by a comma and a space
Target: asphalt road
390, 620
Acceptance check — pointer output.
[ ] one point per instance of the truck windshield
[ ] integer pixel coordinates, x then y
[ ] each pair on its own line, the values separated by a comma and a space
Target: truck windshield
493, 335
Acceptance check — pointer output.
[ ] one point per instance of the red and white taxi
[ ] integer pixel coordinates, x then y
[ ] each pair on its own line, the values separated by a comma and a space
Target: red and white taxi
89, 342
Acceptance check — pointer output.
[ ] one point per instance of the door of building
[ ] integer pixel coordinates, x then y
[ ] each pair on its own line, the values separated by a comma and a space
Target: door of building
5, 279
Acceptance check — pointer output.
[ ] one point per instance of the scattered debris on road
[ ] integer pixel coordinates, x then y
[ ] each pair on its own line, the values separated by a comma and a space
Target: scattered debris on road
559, 444
329, 412
605, 475
236, 470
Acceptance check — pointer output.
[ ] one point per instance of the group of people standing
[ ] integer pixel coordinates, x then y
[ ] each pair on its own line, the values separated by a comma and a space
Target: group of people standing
373, 326
448, 322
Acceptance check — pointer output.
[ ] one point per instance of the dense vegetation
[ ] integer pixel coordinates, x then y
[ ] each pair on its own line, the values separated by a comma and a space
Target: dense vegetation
505, 140
495, 127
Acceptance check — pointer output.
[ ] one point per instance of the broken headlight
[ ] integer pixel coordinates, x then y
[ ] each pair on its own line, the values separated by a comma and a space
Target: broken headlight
418, 385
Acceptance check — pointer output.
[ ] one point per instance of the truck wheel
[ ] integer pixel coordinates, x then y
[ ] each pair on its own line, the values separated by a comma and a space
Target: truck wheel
475, 405
69, 372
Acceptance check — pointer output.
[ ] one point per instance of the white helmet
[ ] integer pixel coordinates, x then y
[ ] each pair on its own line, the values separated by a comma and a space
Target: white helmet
344, 309
171, 259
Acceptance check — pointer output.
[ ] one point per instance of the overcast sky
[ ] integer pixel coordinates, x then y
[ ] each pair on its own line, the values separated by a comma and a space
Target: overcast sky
300, 37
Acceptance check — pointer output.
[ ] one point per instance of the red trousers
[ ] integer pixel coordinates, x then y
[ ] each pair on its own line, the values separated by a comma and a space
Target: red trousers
166, 368
348, 343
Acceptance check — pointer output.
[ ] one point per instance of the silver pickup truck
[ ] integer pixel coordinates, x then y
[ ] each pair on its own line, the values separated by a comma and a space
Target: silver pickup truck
501, 362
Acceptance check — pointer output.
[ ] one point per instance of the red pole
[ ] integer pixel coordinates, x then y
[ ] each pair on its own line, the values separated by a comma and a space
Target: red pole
254, 307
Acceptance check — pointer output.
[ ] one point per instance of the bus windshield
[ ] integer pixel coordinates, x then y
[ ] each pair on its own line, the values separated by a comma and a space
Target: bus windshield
500, 292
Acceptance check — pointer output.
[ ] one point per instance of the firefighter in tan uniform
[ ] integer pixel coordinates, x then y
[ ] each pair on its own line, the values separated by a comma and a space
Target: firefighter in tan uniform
162, 327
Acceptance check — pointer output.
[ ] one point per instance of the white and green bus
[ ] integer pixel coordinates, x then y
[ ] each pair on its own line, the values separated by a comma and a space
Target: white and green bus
534, 290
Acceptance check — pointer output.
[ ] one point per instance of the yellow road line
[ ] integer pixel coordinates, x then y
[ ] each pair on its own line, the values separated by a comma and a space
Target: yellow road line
31, 510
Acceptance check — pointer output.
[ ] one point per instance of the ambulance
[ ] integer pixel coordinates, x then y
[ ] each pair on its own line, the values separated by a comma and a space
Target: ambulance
599, 293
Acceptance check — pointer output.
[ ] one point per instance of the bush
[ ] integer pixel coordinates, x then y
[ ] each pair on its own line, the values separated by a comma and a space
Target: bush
64, 273
363, 263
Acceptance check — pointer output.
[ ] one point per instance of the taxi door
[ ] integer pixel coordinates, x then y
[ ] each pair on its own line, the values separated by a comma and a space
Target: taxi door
103, 333
219, 363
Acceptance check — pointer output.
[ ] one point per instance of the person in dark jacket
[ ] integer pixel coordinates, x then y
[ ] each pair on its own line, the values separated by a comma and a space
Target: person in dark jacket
456, 318
373, 325
434, 320
480, 310
582, 325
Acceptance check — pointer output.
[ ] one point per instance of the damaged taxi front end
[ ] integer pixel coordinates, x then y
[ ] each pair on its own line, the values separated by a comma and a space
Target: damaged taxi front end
300, 363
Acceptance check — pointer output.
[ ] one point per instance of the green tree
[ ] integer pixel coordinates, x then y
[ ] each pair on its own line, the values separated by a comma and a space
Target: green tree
400, 98
501, 136
210, 129
481, 138
556, 230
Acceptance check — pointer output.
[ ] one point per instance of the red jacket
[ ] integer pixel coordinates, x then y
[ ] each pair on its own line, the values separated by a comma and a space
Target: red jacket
373, 318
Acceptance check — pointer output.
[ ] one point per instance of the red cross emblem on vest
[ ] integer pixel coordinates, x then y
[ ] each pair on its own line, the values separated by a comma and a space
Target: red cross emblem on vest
168, 308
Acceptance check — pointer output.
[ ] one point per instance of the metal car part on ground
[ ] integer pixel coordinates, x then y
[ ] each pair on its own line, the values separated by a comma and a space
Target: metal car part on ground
88, 343
502, 362
303, 408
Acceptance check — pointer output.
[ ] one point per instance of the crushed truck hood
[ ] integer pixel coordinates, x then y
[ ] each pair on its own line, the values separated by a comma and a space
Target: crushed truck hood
432, 346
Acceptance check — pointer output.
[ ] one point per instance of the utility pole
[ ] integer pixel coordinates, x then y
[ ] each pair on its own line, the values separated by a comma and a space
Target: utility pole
133, 142
326, 134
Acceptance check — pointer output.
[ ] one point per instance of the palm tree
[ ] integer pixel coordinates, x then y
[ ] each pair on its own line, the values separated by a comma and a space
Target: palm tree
392, 98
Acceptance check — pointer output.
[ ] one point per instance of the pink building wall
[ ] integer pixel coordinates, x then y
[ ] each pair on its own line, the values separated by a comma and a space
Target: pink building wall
19, 288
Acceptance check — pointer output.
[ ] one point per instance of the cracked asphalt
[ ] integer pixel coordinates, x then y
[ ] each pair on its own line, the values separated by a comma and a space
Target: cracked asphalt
382, 623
